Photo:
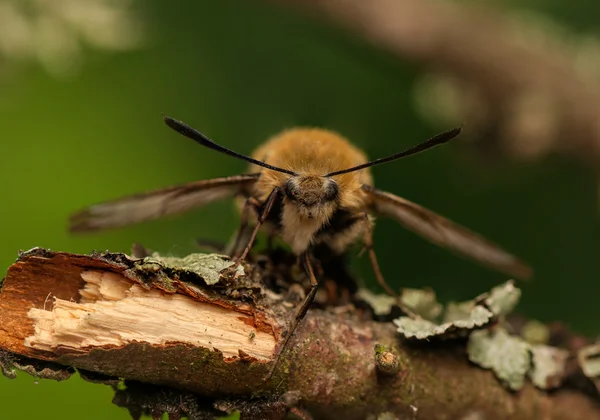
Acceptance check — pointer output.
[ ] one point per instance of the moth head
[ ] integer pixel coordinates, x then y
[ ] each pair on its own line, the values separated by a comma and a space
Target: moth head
313, 197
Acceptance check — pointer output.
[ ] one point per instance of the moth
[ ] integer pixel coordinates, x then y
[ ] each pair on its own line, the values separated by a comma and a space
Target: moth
312, 188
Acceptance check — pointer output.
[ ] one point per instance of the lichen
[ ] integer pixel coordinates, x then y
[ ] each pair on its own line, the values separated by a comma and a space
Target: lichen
589, 360
510, 357
502, 299
548, 366
422, 302
507, 356
206, 266
421, 329
380, 303
459, 317
535, 332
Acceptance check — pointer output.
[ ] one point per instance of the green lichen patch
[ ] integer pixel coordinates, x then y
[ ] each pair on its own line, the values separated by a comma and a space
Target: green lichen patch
507, 356
456, 311
162, 270
189, 273
206, 266
535, 332
380, 303
422, 302
589, 360
459, 317
502, 299
548, 367
421, 329
513, 359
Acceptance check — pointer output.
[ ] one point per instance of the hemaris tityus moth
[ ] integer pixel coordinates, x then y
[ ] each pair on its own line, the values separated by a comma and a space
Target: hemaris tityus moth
311, 187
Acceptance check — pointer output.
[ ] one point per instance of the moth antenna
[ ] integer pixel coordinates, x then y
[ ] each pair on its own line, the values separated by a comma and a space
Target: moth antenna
192, 133
421, 147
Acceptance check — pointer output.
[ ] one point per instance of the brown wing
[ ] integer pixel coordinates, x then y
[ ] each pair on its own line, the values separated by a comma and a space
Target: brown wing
156, 204
447, 234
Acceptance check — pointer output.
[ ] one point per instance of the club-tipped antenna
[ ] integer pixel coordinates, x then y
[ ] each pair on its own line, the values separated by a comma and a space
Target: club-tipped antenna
421, 147
186, 130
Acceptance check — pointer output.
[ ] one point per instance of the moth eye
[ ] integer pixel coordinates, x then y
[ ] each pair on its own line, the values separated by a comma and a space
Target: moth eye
331, 191
291, 191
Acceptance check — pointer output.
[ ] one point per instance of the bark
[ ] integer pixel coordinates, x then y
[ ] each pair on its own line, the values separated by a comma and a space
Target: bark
116, 316
514, 93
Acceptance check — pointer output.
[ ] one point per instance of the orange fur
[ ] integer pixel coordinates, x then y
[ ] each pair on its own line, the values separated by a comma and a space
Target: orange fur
313, 152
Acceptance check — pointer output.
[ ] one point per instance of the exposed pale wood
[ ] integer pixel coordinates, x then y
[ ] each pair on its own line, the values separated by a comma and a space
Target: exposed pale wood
114, 311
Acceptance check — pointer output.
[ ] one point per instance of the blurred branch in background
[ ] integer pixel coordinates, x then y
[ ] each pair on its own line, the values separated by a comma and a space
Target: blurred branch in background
55, 32
524, 86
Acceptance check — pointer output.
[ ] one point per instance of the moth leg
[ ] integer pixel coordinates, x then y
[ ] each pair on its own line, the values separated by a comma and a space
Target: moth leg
368, 246
310, 297
329, 284
261, 219
241, 232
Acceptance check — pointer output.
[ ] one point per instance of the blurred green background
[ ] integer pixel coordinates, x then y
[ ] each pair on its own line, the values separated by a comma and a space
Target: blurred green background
86, 127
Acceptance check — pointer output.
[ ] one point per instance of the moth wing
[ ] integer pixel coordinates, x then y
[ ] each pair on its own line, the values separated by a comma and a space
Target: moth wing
446, 233
159, 203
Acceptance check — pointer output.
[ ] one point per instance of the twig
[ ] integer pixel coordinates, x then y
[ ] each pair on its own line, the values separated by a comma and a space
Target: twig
119, 316
529, 97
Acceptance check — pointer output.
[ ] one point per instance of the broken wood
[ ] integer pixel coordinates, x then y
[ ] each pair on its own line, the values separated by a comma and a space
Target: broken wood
157, 321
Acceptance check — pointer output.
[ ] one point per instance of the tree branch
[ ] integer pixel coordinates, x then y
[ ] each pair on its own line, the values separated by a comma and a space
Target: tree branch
152, 321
